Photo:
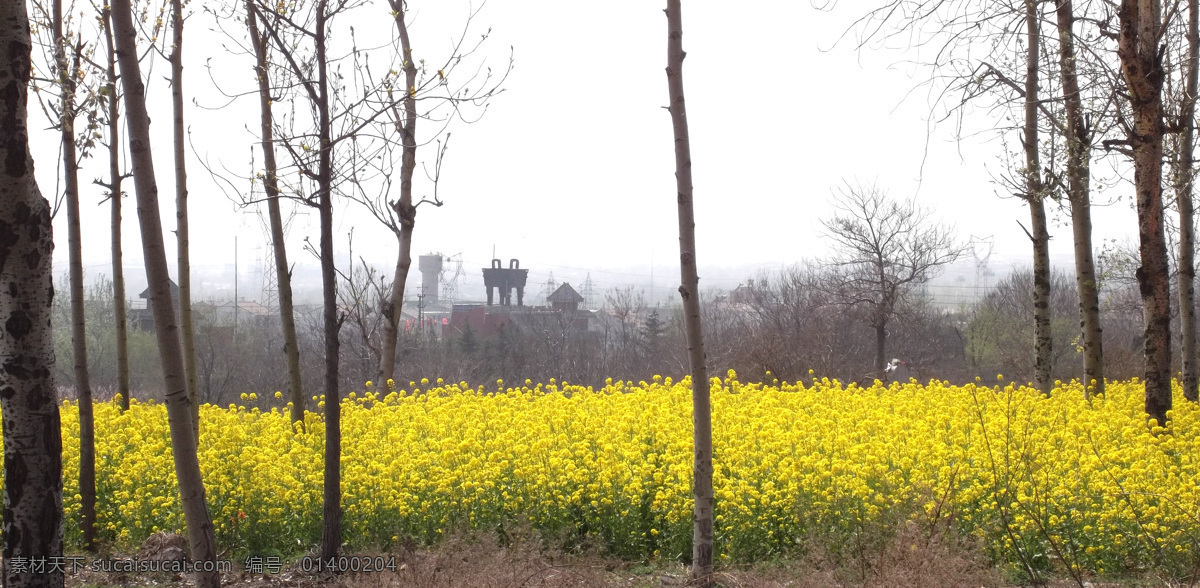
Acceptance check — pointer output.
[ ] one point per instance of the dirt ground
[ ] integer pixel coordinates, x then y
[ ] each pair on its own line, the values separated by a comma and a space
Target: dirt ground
482, 563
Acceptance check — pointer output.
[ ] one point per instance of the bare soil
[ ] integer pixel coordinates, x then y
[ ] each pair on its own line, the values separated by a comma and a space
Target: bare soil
910, 560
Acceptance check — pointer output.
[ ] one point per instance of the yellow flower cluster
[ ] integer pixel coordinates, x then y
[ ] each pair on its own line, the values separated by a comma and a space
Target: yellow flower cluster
1053, 481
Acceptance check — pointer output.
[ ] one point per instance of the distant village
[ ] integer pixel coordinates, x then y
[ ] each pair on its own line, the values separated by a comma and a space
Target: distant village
431, 312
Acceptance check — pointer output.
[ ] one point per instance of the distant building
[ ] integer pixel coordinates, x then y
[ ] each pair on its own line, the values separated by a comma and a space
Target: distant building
143, 318
565, 298
229, 313
478, 318
744, 293
488, 320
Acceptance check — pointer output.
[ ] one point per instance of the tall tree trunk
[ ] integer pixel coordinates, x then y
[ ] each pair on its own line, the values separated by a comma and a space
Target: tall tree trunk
1140, 23
689, 290
1034, 192
331, 529
287, 317
179, 408
114, 186
1079, 194
32, 518
186, 333
404, 209
1042, 340
83, 386
1184, 174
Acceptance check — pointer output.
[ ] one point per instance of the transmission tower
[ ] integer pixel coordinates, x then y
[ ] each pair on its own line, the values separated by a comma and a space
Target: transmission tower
548, 288
266, 265
981, 250
589, 293
450, 282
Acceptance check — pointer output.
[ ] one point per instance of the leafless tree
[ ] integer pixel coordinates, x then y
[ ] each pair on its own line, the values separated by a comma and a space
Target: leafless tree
179, 410
884, 248
1080, 133
1035, 195
363, 297
973, 38
1183, 178
998, 328
67, 54
300, 44
427, 99
1140, 50
32, 525
627, 306
187, 332
689, 290
260, 40
111, 100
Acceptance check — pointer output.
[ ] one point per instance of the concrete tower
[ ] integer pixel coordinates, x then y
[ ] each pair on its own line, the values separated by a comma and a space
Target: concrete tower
431, 274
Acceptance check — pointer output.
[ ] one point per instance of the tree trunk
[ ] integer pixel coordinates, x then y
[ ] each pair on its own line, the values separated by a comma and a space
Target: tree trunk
404, 209
32, 518
83, 387
186, 332
883, 312
689, 290
1140, 22
179, 408
287, 318
114, 186
331, 529
1184, 174
1043, 343
881, 361
1034, 193
1079, 194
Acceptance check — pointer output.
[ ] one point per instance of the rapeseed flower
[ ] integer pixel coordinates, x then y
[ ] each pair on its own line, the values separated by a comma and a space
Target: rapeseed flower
793, 463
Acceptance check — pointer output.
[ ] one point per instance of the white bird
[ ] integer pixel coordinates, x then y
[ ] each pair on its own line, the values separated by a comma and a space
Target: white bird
891, 368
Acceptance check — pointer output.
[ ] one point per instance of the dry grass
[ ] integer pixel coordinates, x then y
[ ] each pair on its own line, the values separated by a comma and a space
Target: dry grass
912, 558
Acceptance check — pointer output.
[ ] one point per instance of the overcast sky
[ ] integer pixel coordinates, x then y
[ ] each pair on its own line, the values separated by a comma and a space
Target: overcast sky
571, 169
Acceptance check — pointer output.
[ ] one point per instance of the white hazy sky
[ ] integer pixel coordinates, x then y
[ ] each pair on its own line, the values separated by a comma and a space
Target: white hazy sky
572, 168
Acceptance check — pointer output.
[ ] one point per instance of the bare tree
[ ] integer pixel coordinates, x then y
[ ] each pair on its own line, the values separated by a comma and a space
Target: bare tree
1035, 193
628, 307
689, 290
287, 318
449, 96
63, 79
363, 297
67, 82
331, 516
300, 35
793, 324
1183, 179
964, 27
884, 249
1079, 138
111, 100
403, 212
32, 525
1140, 36
998, 327
187, 333
179, 410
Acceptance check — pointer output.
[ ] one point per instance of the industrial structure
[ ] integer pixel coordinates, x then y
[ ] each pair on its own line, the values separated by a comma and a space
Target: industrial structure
504, 281
431, 276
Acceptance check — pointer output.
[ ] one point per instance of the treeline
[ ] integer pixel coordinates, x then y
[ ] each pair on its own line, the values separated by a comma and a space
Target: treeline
779, 326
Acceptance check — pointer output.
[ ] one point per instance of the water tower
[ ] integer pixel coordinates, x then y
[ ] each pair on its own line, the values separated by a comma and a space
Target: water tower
431, 275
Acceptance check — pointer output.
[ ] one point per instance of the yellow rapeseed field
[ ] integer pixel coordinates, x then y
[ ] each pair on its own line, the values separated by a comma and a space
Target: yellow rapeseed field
1051, 481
